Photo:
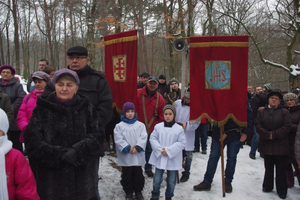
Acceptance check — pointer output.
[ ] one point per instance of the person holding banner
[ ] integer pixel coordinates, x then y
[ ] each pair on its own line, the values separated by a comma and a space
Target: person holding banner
183, 118
149, 108
273, 124
233, 135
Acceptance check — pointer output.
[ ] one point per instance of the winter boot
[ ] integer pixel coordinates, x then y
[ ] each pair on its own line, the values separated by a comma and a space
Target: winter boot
202, 186
289, 178
129, 196
139, 196
228, 187
184, 178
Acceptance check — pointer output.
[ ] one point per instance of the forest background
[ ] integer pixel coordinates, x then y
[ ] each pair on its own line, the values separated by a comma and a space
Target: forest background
34, 29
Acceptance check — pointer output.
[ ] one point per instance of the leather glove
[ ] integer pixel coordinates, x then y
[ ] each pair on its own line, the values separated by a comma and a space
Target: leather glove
70, 156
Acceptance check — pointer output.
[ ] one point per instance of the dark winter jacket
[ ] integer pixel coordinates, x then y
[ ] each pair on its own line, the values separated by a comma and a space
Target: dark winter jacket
232, 130
278, 121
295, 117
16, 93
162, 88
6, 106
53, 128
171, 96
255, 103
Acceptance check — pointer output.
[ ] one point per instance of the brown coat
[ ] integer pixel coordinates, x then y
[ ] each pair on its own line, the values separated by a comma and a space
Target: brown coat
278, 122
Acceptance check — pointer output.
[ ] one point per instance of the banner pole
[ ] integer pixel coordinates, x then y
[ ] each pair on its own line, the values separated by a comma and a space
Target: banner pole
222, 159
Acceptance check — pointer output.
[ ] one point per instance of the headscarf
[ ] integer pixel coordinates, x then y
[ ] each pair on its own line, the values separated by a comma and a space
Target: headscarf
5, 147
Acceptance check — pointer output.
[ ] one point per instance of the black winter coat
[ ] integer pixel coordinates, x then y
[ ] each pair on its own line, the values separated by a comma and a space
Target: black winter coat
54, 127
277, 121
295, 117
14, 89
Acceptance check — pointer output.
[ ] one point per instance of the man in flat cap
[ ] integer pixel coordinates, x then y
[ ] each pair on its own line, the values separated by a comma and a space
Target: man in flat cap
92, 82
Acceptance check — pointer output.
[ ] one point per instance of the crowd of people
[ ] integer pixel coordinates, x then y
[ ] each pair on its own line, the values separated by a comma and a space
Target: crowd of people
66, 120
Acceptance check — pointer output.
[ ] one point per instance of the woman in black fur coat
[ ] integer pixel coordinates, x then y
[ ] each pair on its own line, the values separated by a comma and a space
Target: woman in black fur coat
64, 141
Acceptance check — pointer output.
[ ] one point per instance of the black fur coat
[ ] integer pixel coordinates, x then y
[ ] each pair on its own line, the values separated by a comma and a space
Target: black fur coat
53, 127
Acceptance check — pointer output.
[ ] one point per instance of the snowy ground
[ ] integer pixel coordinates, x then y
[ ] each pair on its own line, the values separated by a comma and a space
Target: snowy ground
246, 184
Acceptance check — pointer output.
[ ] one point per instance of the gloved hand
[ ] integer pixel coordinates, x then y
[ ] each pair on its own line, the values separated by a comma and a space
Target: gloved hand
70, 156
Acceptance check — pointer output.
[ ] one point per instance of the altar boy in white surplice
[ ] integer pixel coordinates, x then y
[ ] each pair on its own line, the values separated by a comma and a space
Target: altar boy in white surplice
167, 141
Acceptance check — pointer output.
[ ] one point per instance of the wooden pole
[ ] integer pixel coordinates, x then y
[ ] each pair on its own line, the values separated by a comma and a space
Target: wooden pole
222, 159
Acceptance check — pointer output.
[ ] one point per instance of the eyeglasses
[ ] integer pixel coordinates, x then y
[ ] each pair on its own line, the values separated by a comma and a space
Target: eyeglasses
5, 72
76, 57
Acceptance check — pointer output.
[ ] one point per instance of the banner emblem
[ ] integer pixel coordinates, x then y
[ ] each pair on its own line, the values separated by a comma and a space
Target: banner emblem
217, 75
119, 68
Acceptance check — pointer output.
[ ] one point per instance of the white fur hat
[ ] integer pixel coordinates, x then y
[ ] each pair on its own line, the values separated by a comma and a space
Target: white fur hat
4, 125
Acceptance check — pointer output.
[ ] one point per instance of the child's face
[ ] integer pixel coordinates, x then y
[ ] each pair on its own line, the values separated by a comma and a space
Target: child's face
1, 133
129, 114
168, 115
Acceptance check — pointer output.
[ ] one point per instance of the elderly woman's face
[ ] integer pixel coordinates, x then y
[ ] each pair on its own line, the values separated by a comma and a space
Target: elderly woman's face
290, 102
6, 75
65, 89
274, 101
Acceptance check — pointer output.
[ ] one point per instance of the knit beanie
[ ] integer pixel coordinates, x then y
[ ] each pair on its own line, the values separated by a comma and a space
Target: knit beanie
290, 96
162, 77
128, 106
268, 86
174, 80
4, 125
187, 94
169, 106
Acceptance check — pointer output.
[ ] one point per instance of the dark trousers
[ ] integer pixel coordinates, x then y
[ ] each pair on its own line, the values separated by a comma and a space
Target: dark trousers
132, 179
14, 136
279, 162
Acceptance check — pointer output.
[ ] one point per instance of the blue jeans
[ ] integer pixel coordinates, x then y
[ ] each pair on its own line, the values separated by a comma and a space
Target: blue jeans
188, 157
158, 178
201, 132
254, 142
148, 152
233, 148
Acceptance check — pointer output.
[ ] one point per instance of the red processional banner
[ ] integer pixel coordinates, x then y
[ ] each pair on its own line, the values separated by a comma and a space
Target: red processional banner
218, 78
121, 66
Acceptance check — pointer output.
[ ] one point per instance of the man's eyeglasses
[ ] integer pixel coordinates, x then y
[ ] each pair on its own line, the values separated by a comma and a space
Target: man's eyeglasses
76, 57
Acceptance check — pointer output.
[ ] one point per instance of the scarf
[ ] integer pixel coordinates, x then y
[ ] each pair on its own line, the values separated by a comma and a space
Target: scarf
38, 92
129, 121
5, 147
4, 82
169, 124
66, 103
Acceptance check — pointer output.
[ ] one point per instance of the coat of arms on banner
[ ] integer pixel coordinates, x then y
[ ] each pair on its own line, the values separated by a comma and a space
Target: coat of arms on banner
119, 68
217, 75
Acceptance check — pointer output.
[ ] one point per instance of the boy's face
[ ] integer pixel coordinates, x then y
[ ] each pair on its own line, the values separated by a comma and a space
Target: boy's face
129, 114
168, 115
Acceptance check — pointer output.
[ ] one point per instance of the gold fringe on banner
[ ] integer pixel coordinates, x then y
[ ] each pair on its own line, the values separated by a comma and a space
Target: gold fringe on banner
117, 109
119, 40
219, 44
221, 123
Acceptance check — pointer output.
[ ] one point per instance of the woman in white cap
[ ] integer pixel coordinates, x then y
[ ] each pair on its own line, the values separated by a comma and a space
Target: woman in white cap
16, 178
63, 138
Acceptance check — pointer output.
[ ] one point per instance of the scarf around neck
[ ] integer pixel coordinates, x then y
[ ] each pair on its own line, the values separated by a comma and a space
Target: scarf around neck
128, 121
5, 147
